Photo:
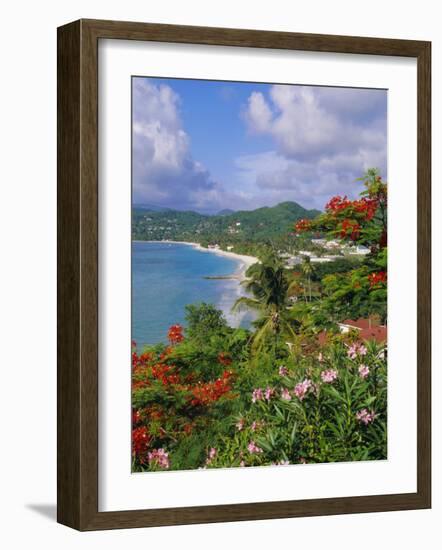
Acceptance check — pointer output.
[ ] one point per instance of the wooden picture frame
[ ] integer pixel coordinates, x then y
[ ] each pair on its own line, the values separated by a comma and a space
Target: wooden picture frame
78, 274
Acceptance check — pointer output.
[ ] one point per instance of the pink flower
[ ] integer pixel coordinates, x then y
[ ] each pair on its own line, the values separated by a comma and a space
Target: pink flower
253, 448
364, 371
302, 388
268, 393
240, 424
365, 417
285, 394
159, 457
283, 371
329, 376
257, 395
352, 352
211, 455
362, 350
242, 463
356, 349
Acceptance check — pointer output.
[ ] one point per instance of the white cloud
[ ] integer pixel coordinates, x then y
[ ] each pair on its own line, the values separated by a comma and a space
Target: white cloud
324, 139
164, 170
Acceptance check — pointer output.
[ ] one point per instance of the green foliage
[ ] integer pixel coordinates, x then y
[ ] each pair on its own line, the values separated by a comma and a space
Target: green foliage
247, 231
204, 321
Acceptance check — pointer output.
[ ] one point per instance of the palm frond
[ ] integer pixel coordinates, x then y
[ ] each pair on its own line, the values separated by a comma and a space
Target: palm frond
245, 302
261, 335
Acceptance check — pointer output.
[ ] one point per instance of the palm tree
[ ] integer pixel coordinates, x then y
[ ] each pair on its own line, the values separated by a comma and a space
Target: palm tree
307, 271
268, 285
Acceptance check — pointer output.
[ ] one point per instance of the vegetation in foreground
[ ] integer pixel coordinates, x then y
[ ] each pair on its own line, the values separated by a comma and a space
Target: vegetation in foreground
221, 397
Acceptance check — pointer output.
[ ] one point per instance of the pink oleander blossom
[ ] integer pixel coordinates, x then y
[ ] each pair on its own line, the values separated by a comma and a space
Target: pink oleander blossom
285, 395
362, 350
160, 458
329, 376
240, 424
283, 371
365, 417
356, 349
211, 455
364, 371
268, 393
257, 395
302, 388
253, 448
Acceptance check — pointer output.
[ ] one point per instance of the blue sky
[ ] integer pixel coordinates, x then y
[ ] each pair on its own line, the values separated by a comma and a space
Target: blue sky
209, 145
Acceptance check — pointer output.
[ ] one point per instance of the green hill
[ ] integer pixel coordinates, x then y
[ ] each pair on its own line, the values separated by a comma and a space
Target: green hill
246, 226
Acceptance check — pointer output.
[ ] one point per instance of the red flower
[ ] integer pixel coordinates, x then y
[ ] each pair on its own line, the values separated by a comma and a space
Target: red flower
135, 359
302, 225
140, 442
204, 394
136, 417
350, 228
336, 204
377, 278
366, 206
175, 334
224, 359
146, 357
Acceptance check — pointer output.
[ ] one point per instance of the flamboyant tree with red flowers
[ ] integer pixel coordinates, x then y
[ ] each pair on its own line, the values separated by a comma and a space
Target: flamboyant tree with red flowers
170, 402
359, 222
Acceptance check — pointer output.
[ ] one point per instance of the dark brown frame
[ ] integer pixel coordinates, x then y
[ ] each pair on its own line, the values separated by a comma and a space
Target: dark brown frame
78, 274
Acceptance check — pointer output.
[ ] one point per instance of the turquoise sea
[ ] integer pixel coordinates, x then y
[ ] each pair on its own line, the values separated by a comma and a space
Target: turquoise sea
168, 276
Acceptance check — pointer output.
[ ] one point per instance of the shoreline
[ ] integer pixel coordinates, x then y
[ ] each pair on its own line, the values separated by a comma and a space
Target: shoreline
246, 261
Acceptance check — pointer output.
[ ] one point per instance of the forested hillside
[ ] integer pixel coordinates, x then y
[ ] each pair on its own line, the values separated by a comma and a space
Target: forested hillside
243, 226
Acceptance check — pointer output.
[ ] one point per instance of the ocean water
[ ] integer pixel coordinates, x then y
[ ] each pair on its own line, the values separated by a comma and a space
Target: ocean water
168, 276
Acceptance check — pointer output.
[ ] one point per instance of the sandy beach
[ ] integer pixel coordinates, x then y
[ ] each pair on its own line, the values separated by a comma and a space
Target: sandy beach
246, 261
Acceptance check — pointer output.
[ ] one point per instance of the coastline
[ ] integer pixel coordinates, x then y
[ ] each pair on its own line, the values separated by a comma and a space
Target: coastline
225, 290
246, 261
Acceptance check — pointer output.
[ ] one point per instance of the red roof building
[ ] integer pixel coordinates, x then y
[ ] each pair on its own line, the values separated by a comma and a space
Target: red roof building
369, 329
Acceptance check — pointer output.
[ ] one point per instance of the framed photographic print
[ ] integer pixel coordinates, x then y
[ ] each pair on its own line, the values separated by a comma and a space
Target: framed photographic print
243, 314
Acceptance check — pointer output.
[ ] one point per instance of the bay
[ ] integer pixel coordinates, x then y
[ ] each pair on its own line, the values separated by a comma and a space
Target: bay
168, 276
